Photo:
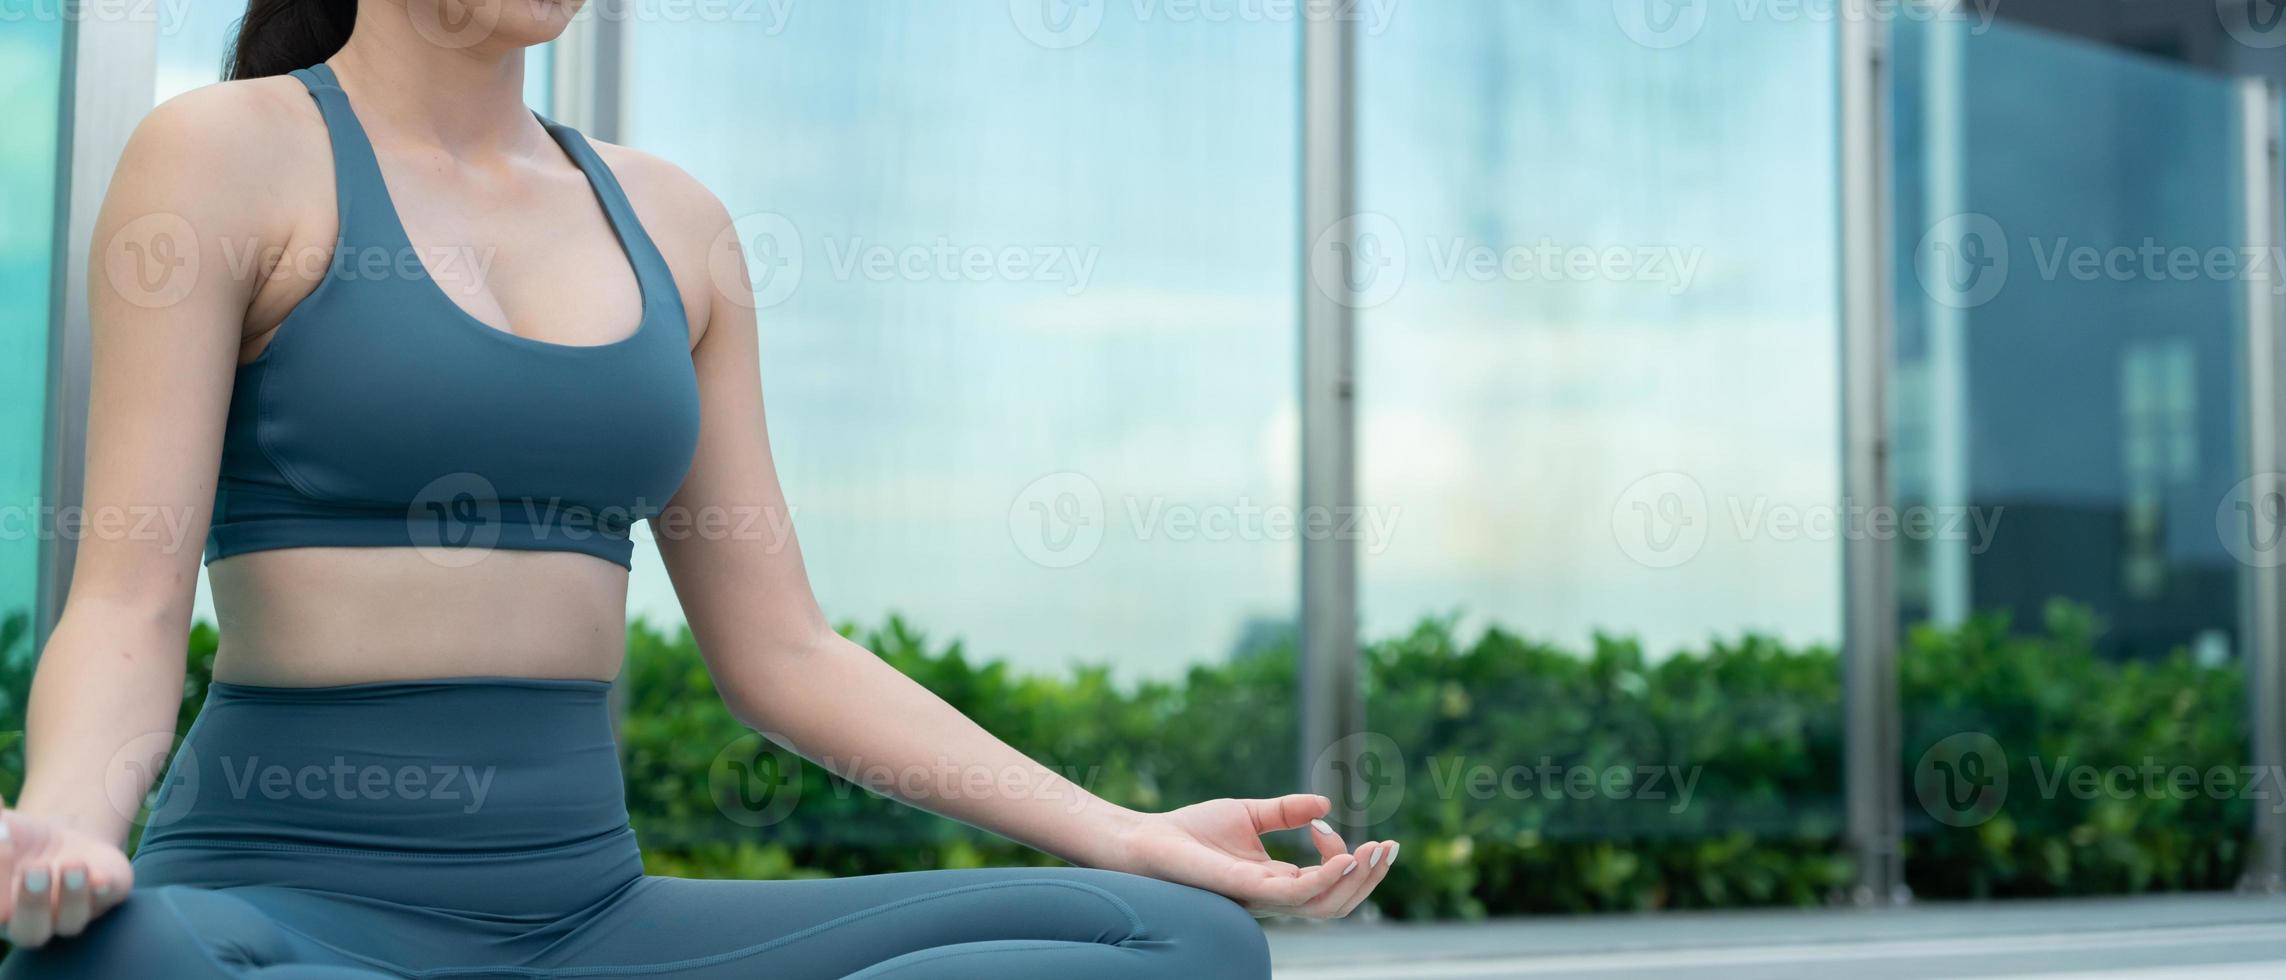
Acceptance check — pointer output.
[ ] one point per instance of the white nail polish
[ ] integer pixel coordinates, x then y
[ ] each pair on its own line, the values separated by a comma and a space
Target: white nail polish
1345, 871
75, 880
1375, 860
36, 881
1393, 849
1322, 826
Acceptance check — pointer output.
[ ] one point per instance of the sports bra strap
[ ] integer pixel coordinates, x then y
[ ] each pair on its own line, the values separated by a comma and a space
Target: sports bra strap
369, 217
650, 266
360, 194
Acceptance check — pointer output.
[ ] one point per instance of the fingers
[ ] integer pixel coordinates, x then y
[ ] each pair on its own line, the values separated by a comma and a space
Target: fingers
1328, 843
1375, 870
74, 903
1352, 885
33, 920
1274, 892
1287, 812
109, 877
105, 892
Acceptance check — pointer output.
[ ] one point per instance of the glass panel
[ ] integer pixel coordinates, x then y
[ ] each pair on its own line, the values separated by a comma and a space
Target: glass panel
1599, 397
539, 78
1027, 313
31, 70
193, 42
2068, 401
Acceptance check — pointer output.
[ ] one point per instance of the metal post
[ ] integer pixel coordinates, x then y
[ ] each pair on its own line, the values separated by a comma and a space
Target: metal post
1944, 183
109, 78
2264, 182
1332, 702
1869, 711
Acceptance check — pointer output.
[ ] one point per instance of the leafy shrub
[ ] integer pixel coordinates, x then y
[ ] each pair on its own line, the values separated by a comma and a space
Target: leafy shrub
2050, 706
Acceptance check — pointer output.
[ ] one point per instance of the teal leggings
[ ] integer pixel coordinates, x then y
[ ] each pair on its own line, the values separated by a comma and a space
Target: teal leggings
477, 829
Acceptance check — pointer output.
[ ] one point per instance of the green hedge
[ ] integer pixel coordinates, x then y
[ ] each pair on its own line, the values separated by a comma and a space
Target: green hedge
1482, 730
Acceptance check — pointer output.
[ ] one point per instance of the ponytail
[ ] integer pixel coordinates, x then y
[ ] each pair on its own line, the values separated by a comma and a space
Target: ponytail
278, 36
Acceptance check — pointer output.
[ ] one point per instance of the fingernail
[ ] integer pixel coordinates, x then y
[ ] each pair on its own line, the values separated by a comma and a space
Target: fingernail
1345, 871
3, 829
75, 880
1393, 849
1375, 860
103, 891
36, 881
1322, 826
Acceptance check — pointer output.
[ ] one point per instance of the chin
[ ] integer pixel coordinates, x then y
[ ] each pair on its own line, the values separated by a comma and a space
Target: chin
501, 23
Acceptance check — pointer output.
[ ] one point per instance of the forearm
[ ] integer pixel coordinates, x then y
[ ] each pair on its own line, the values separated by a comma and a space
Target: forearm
101, 719
841, 707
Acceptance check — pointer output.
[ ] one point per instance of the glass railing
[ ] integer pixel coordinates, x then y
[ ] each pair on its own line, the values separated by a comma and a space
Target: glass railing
2069, 397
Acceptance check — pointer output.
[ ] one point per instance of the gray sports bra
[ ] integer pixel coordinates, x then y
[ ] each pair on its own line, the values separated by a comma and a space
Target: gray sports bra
383, 415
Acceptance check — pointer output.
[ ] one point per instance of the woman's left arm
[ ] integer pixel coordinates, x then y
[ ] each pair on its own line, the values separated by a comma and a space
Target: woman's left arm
728, 542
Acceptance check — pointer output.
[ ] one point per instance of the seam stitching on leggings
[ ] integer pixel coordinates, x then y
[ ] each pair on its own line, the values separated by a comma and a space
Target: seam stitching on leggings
1134, 921
175, 912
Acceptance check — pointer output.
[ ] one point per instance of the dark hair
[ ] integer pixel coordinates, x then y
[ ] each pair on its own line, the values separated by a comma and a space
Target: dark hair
278, 36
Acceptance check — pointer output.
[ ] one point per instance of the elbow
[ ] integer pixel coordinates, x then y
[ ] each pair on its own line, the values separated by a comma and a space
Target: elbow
768, 672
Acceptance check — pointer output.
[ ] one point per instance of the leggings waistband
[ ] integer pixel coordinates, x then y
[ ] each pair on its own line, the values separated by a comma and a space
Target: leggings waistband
439, 774
485, 796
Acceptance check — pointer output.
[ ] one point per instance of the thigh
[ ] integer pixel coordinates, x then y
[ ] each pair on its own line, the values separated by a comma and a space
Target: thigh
180, 933
1005, 923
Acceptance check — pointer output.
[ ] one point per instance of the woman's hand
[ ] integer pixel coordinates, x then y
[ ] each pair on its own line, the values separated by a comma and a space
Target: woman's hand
1217, 845
54, 879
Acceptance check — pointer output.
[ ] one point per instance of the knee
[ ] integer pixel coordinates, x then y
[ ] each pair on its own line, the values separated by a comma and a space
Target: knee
1221, 938
1197, 932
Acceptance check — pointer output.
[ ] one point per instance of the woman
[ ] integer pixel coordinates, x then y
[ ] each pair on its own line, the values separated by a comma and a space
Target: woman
428, 357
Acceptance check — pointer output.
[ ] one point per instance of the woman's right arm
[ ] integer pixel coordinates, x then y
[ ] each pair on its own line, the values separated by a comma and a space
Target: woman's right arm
172, 270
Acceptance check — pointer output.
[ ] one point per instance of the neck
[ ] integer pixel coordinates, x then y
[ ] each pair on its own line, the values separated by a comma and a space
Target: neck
407, 70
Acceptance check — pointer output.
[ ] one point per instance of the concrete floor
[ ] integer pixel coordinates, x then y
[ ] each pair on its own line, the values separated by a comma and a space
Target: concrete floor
2175, 937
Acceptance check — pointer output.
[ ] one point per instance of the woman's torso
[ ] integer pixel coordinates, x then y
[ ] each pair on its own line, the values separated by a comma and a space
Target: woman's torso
520, 244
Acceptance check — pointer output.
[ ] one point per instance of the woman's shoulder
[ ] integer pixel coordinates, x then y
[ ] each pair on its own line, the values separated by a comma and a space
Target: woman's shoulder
250, 117
240, 142
664, 192
229, 156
